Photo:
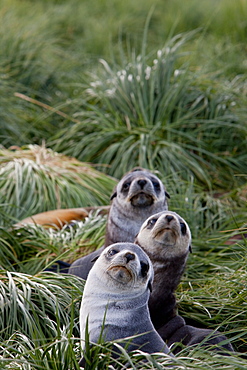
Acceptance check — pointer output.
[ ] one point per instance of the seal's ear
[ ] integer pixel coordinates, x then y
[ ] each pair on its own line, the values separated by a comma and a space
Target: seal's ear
150, 287
113, 195
167, 195
137, 169
95, 258
190, 249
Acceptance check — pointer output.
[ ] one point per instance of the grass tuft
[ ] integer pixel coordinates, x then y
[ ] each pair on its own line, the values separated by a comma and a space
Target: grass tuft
36, 173
168, 94
154, 112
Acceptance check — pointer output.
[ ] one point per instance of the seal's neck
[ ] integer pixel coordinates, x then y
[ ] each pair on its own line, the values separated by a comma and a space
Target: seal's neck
167, 275
122, 224
101, 294
116, 308
124, 221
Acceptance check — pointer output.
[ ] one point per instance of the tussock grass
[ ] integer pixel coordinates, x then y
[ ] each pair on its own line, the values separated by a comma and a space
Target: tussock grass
214, 295
36, 179
39, 320
39, 306
32, 248
171, 97
26, 46
152, 111
46, 49
207, 212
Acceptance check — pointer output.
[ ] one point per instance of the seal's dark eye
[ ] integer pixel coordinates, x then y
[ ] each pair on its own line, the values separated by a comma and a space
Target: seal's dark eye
156, 185
151, 223
183, 228
144, 268
111, 252
126, 186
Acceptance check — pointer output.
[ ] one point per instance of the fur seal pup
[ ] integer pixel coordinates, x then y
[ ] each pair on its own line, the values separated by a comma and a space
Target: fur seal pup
138, 195
166, 238
115, 298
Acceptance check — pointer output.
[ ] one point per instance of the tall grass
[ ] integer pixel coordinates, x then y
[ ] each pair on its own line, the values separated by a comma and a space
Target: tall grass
42, 329
26, 46
47, 48
38, 306
170, 97
39, 320
36, 179
154, 112
31, 249
40, 325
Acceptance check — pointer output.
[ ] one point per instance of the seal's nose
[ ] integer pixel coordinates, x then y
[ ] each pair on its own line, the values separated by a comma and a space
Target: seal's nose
169, 218
142, 183
129, 256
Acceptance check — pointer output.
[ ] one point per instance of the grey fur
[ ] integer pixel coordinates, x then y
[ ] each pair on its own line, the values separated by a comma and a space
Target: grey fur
138, 195
118, 287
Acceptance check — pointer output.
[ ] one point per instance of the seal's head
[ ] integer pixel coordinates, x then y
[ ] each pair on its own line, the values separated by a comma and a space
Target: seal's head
140, 188
138, 195
124, 267
164, 235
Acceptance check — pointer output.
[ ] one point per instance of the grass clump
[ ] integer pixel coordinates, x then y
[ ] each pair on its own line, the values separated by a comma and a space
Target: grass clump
38, 306
155, 113
32, 248
39, 321
36, 179
171, 98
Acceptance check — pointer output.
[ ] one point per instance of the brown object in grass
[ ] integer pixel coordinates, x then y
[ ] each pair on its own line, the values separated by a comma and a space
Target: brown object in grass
60, 217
